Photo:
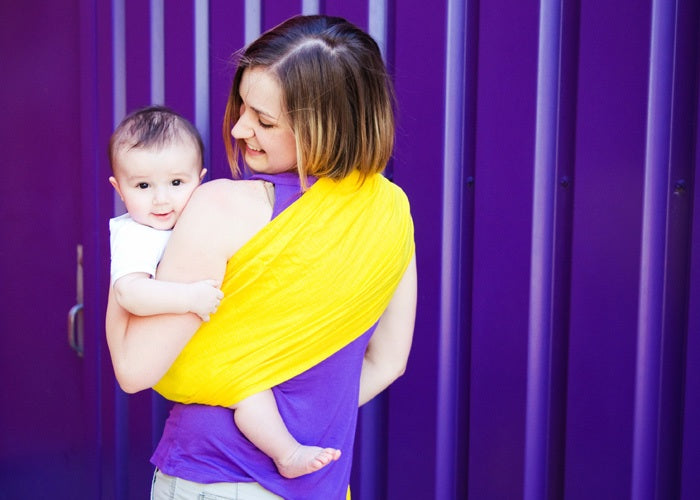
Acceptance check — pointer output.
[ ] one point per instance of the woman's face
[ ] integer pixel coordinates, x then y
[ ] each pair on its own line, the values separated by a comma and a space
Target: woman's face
263, 131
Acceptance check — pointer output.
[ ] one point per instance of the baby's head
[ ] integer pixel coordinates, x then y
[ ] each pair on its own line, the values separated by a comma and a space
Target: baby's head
156, 157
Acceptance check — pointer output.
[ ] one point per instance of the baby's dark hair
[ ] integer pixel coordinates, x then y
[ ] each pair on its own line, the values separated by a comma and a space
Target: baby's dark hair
152, 127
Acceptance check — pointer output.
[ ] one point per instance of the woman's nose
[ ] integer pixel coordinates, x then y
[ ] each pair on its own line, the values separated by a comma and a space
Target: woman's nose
241, 130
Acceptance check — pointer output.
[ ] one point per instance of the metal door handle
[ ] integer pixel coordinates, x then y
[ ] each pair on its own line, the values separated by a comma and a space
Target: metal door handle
75, 320
75, 329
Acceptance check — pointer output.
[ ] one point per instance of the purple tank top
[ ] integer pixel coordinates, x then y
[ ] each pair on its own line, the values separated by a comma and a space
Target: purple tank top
319, 407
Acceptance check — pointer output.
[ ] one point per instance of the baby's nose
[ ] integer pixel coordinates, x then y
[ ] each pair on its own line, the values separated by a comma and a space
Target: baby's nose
160, 196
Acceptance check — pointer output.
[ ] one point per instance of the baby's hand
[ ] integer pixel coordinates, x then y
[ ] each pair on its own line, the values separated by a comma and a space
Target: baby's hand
205, 297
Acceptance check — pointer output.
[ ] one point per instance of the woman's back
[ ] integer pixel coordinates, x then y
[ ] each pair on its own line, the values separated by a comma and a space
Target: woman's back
202, 443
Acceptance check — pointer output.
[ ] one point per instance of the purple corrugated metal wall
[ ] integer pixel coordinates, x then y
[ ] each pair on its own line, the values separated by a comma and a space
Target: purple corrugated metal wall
549, 150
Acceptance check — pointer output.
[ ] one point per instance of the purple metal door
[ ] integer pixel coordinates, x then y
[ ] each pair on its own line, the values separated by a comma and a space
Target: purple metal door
50, 422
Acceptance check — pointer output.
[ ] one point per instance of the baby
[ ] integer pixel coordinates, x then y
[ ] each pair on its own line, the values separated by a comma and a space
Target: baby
156, 157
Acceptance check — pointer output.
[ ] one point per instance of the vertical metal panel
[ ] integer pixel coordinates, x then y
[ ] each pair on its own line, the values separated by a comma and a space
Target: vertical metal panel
97, 254
663, 329
118, 110
355, 12
370, 462
652, 266
138, 49
157, 17
462, 437
226, 36
201, 76
610, 127
253, 20
690, 479
310, 7
505, 131
418, 71
179, 44
139, 31
676, 332
377, 12
453, 185
273, 12
689, 194
118, 61
561, 285
96, 279
542, 263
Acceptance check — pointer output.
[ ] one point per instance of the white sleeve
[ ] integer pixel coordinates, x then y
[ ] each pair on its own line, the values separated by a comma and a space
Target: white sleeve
134, 248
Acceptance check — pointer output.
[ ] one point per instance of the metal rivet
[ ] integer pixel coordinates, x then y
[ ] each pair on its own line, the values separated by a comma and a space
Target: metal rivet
679, 188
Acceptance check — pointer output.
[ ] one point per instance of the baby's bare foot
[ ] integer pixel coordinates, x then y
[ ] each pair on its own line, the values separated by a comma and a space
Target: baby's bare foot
305, 460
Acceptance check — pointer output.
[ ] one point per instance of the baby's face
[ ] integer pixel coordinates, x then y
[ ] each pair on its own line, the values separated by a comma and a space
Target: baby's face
155, 185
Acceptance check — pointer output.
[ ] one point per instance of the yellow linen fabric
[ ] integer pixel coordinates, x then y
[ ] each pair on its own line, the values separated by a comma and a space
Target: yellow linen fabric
310, 282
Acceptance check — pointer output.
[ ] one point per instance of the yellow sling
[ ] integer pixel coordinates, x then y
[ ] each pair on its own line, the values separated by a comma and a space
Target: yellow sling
310, 282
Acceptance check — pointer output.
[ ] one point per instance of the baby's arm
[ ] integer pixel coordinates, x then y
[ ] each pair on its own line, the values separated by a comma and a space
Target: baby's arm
143, 296
220, 217
388, 349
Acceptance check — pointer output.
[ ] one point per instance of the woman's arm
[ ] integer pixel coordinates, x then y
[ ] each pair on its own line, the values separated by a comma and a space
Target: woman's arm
387, 352
220, 217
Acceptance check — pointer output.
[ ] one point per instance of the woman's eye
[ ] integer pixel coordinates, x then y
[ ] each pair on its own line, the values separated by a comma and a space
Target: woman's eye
265, 125
143, 185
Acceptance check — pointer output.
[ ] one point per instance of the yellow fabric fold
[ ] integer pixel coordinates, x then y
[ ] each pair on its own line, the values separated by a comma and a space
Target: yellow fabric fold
309, 283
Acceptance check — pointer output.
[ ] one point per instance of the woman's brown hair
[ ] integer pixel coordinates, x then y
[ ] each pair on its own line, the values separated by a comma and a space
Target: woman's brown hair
337, 94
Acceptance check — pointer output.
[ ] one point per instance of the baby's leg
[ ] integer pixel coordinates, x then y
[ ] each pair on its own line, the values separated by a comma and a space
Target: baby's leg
259, 420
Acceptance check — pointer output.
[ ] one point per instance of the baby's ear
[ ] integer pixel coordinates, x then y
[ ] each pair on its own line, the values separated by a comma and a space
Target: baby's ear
202, 174
115, 185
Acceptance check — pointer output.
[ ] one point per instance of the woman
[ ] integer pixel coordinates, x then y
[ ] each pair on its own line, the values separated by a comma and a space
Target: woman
310, 105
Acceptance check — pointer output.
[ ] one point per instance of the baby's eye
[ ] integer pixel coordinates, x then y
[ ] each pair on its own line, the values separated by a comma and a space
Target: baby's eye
143, 185
177, 182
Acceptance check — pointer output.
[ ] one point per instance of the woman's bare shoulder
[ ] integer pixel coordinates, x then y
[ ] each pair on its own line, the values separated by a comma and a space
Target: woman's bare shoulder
228, 190
245, 197
238, 208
